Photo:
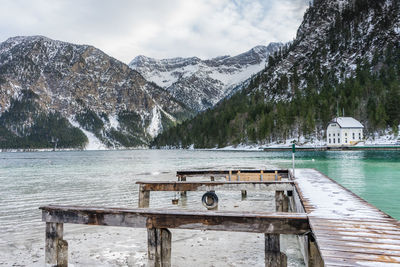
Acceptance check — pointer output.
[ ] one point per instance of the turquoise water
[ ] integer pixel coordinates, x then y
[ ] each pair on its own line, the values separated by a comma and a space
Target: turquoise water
372, 175
107, 178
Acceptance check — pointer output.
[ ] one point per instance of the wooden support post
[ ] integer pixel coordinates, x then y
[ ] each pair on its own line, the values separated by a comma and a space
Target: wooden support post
314, 257
183, 193
238, 175
276, 175
261, 175
159, 247
144, 197
56, 253
244, 194
230, 175
273, 255
291, 203
281, 201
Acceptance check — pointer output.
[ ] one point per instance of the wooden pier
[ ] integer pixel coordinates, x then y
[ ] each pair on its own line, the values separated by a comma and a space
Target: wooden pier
334, 226
346, 230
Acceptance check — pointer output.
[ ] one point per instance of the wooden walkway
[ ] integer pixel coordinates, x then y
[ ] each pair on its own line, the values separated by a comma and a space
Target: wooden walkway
348, 230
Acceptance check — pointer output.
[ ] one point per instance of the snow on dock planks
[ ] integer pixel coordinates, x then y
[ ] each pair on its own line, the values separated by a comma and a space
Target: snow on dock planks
348, 231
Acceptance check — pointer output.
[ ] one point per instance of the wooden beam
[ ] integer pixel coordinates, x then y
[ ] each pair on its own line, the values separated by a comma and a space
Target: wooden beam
212, 185
56, 251
225, 172
272, 223
159, 247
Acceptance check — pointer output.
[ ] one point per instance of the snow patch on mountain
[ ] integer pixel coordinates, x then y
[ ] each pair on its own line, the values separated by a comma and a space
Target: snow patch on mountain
155, 125
94, 143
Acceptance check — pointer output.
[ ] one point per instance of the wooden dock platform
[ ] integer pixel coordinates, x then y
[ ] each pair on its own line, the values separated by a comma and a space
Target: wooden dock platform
348, 231
335, 227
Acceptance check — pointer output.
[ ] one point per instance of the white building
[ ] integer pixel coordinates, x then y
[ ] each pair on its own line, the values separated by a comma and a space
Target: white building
344, 131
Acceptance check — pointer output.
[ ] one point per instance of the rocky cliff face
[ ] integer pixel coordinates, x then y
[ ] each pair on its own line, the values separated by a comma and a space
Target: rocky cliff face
85, 85
201, 84
334, 37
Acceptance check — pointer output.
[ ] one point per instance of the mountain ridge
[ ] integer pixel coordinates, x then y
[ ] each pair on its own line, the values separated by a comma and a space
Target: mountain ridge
81, 81
203, 83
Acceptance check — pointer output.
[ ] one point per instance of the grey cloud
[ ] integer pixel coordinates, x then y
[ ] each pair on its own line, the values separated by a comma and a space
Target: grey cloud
157, 28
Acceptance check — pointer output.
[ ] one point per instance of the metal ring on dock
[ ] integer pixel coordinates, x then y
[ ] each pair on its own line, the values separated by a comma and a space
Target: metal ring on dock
210, 200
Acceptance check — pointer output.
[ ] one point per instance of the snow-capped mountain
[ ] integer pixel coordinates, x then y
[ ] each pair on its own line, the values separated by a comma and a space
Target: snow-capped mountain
95, 92
200, 84
345, 58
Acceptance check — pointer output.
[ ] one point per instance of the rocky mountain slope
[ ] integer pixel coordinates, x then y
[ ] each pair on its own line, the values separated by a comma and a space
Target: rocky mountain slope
201, 84
346, 56
80, 86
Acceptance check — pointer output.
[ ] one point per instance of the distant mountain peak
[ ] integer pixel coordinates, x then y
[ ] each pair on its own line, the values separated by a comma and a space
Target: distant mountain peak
203, 83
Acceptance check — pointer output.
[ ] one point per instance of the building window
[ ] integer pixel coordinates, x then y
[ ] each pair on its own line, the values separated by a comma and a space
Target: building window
338, 140
338, 134
329, 135
334, 139
329, 140
333, 134
345, 140
345, 134
359, 136
354, 137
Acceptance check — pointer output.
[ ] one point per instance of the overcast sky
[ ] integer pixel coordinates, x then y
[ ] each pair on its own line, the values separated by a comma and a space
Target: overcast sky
156, 28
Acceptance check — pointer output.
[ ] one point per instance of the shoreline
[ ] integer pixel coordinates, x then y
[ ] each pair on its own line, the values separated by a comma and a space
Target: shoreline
249, 148
343, 148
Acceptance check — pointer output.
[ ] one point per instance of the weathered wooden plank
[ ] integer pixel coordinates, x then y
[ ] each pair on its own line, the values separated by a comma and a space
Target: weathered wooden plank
213, 185
343, 226
375, 240
354, 233
273, 223
361, 249
159, 247
359, 256
344, 243
242, 176
206, 172
336, 261
56, 249
376, 224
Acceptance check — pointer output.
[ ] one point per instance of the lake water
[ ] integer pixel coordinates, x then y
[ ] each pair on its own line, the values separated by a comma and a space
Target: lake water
107, 178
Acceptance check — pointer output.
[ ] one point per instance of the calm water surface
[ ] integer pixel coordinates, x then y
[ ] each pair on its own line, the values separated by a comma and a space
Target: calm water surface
107, 178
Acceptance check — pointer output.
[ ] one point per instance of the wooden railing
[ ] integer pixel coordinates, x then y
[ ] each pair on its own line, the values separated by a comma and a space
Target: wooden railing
182, 186
158, 222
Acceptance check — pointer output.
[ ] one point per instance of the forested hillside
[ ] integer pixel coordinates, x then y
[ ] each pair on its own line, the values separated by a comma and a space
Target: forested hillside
79, 95
346, 56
